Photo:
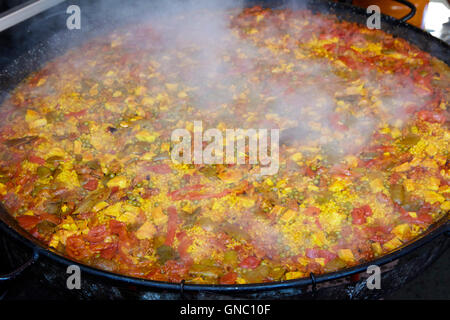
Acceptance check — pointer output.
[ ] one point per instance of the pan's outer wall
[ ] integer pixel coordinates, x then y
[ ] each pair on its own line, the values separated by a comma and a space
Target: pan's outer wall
52, 275
28, 61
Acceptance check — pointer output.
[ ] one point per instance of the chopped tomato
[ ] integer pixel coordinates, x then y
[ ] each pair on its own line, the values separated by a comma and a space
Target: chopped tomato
250, 263
176, 271
359, 214
97, 234
309, 172
51, 217
394, 178
181, 193
28, 222
229, 278
431, 116
91, 185
160, 168
379, 234
340, 171
352, 64
312, 211
76, 248
425, 218
320, 253
200, 196
119, 228
76, 114
36, 159
109, 250
336, 123
148, 193
183, 246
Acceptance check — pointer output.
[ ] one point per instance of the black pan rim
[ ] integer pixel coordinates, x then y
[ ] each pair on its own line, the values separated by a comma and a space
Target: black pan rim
11, 227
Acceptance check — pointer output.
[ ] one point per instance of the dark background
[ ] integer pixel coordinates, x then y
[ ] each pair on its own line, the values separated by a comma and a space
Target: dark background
434, 283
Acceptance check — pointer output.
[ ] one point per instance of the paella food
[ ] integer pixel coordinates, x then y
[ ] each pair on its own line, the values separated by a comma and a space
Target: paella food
85, 147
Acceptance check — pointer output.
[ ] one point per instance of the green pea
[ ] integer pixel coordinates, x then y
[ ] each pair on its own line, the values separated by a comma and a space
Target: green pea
43, 172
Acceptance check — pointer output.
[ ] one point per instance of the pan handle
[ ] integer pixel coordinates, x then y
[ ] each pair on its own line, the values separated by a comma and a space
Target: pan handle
25, 11
15, 273
410, 6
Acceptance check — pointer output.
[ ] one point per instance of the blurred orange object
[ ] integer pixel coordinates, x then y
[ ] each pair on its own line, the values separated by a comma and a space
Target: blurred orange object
396, 9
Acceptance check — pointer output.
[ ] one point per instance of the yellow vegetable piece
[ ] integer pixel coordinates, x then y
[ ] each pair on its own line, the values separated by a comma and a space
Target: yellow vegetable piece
393, 244
146, 231
377, 248
412, 214
69, 178
230, 176
376, 185
31, 115
182, 95
288, 215
119, 181
171, 86
158, 216
113, 210
346, 255
445, 206
432, 197
2, 189
100, 206
277, 210
402, 231
297, 156
338, 185
146, 136
294, 275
